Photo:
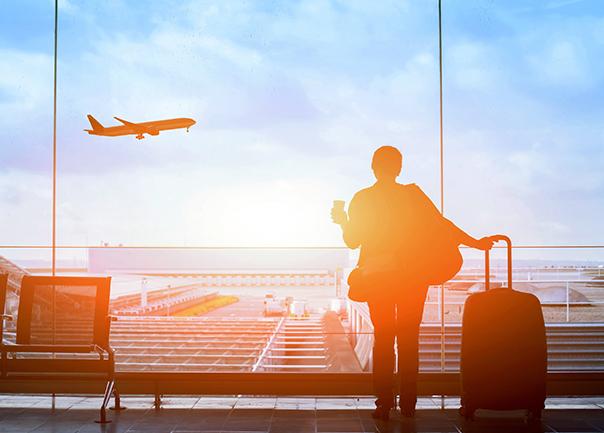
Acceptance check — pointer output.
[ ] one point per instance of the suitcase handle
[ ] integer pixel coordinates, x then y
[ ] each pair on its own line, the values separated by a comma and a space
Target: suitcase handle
487, 261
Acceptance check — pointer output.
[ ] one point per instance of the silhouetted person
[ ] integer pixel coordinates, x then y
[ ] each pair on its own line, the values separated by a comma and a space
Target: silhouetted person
395, 225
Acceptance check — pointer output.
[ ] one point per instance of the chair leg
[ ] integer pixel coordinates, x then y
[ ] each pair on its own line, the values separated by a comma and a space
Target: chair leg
117, 401
106, 397
157, 401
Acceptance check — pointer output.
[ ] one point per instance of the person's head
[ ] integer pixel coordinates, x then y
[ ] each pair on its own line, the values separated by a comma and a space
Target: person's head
386, 163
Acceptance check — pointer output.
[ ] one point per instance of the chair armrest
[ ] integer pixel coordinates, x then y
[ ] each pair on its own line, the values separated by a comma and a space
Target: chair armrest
7, 317
101, 350
43, 348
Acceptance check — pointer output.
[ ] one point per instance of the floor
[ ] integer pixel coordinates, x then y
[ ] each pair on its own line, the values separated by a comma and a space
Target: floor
19, 413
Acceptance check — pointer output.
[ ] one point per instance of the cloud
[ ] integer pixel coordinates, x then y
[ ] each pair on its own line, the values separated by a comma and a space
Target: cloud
67, 6
472, 66
25, 109
26, 83
25, 201
564, 64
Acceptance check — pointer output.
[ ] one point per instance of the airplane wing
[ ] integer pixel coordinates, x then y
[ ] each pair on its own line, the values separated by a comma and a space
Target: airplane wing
125, 122
140, 128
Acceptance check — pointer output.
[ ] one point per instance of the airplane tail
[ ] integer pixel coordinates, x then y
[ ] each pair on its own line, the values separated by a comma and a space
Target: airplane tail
96, 125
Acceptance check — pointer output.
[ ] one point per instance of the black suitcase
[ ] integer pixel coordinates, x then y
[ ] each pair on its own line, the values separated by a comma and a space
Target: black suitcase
503, 349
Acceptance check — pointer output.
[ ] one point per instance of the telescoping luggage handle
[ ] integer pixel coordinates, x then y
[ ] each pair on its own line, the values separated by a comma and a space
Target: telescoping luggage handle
487, 262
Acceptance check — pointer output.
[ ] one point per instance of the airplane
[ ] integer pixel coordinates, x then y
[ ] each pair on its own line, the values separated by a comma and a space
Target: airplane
151, 128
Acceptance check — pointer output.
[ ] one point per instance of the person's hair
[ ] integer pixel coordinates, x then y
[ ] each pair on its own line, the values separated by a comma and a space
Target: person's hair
387, 160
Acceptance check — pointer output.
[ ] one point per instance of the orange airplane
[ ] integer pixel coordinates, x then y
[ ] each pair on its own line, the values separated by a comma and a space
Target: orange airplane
151, 128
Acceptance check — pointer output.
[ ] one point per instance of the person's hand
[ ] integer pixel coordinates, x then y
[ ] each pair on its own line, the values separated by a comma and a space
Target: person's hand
485, 243
339, 216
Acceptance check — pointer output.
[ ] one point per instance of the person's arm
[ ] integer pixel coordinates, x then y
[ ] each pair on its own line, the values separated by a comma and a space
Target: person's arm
485, 243
350, 223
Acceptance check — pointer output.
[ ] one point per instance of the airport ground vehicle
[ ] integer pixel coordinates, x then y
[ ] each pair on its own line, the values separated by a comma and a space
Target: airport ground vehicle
273, 306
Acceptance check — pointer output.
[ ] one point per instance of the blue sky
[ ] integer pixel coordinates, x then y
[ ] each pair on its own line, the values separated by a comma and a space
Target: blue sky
291, 98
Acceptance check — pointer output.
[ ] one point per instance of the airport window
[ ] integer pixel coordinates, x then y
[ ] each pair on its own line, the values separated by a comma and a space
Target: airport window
215, 226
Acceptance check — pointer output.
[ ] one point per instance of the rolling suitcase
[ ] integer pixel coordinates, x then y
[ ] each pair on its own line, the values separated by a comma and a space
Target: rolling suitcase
503, 349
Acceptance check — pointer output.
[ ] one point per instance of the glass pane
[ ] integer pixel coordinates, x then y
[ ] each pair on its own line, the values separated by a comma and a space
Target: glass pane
287, 116
243, 320
522, 85
287, 120
227, 309
26, 82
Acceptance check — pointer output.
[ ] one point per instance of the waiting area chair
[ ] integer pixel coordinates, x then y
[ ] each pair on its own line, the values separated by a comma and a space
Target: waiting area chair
62, 335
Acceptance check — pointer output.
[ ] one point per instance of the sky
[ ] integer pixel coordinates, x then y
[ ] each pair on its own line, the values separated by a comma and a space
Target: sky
291, 98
